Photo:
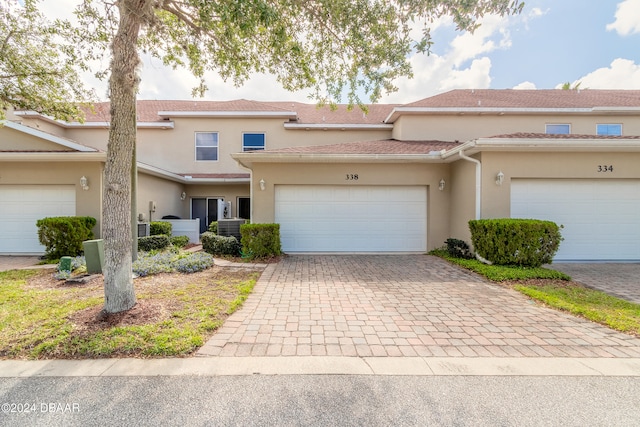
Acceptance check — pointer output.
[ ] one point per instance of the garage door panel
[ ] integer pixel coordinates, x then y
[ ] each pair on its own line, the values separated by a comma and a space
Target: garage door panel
601, 218
23, 205
351, 218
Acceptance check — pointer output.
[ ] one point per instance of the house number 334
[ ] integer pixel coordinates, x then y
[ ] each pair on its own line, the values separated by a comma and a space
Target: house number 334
605, 168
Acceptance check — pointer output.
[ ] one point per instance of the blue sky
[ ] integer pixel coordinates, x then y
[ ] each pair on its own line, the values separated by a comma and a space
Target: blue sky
595, 42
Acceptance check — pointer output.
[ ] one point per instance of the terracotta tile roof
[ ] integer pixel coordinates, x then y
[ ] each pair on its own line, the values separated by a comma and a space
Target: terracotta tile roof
512, 98
524, 135
307, 113
216, 175
147, 110
461, 98
312, 114
387, 146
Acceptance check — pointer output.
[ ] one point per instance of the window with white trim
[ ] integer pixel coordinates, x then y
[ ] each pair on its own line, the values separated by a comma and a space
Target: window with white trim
609, 129
207, 146
253, 141
557, 129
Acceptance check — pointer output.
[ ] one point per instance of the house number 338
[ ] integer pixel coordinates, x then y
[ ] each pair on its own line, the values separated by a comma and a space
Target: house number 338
352, 177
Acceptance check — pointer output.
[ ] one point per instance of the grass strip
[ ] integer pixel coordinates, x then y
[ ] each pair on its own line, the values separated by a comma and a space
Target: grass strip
591, 304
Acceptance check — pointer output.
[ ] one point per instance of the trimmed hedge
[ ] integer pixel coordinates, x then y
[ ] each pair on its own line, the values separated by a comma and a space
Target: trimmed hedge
521, 242
160, 227
149, 243
260, 240
220, 245
63, 235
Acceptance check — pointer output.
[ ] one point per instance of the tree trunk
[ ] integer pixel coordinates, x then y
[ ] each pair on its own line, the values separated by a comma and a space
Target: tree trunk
116, 215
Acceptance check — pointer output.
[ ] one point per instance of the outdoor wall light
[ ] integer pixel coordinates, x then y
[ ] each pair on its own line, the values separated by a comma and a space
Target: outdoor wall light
441, 184
499, 178
262, 184
183, 195
84, 183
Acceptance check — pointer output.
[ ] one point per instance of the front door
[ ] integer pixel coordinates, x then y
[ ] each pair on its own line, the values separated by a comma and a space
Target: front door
205, 208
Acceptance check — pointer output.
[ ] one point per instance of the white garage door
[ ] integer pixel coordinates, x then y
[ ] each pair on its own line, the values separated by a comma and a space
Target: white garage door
601, 218
22, 205
351, 219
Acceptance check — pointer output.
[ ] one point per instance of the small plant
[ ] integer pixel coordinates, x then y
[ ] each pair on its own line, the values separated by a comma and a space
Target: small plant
160, 227
62, 275
180, 241
196, 262
220, 245
157, 242
63, 235
153, 263
261, 240
458, 248
213, 227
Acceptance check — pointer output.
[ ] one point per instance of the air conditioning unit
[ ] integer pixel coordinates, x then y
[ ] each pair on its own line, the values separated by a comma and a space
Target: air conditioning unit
143, 229
224, 209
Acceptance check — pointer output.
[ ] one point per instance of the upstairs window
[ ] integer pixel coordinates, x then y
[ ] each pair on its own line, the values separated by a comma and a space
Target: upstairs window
609, 129
253, 141
558, 129
206, 145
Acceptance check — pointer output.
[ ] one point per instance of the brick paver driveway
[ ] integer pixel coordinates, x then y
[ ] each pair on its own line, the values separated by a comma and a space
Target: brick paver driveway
401, 305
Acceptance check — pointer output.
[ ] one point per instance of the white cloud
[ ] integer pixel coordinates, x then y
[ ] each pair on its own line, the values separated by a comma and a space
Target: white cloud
445, 71
525, 86
621, 74
627, 16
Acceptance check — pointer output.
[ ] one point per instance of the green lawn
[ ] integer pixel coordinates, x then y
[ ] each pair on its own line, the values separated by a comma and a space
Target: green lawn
41, 317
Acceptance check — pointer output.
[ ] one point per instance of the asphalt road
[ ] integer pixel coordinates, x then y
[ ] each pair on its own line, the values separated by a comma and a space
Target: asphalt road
320, 400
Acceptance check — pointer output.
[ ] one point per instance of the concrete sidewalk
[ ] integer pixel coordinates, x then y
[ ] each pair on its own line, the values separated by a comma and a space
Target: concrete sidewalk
318, 365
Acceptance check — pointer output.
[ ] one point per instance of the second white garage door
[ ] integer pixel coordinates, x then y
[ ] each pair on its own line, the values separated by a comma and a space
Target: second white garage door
601, 218
316, 218
22, 205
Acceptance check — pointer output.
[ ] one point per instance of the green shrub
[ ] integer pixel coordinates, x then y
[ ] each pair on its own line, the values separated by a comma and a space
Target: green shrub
63, 235
149, 243
220, 245
180, 241
521, 242
458, 248
195, 262
160, 227
213, 227
260, 240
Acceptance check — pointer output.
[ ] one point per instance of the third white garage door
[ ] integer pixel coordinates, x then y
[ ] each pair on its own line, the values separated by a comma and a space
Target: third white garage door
601, 218
316, 218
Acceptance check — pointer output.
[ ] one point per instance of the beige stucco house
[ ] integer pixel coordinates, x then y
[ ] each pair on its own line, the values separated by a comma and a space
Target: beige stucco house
401, 178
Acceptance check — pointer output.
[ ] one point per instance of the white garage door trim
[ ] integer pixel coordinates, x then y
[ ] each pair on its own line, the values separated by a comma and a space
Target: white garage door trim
322, 218
601, 217
22, 205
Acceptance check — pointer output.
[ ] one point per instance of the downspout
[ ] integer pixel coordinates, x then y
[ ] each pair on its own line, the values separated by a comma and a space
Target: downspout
478, 179
478, 194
